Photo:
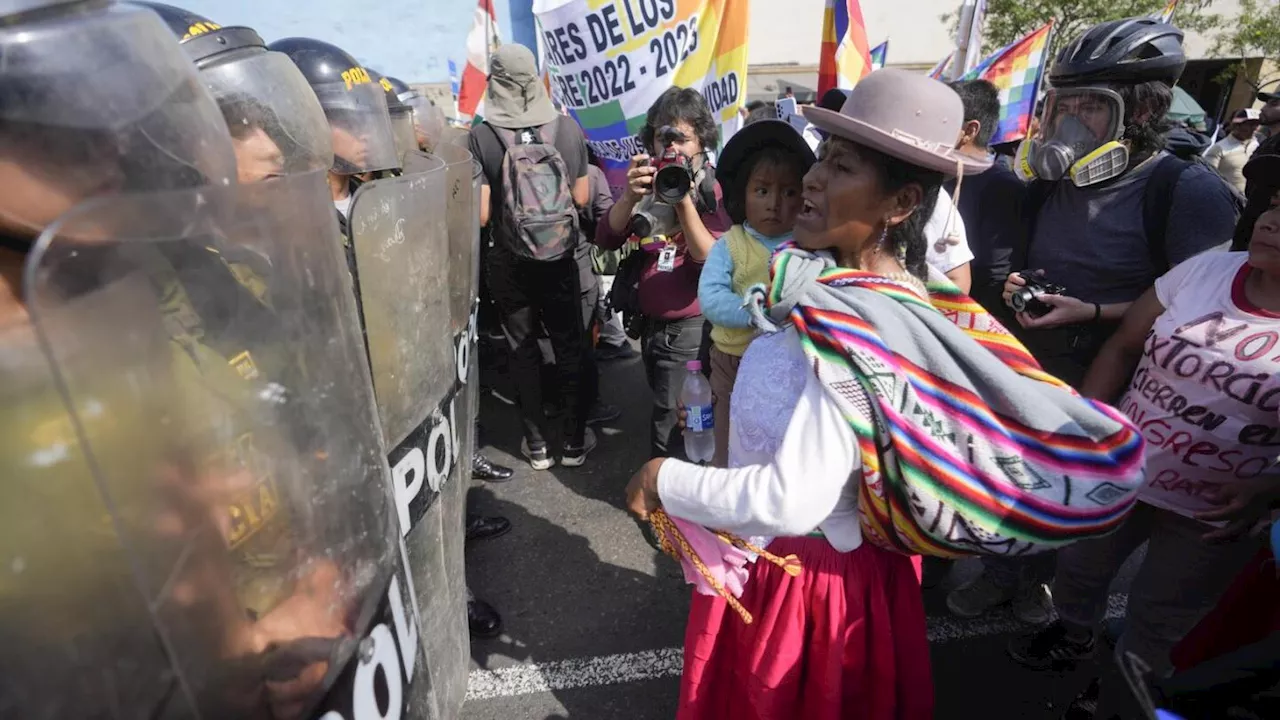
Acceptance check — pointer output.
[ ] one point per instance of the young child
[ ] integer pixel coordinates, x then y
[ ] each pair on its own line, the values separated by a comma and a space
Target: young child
760, 174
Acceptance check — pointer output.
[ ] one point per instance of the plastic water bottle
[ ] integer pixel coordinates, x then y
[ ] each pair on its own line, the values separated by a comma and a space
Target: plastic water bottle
699, 426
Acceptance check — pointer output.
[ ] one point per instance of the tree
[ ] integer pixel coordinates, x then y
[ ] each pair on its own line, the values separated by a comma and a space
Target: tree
1008, 20
1254, 33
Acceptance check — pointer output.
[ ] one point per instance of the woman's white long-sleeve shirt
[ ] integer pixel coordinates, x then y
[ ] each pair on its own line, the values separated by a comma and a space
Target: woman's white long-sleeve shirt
793, 457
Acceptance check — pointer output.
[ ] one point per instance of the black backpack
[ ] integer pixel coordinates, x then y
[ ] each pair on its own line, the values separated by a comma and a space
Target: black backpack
1157, 202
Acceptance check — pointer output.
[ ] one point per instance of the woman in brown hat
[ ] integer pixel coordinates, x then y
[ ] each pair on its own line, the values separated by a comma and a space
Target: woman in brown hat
839, 434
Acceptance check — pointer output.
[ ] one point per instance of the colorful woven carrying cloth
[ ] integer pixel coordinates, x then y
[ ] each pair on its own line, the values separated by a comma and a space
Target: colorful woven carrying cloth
967, 446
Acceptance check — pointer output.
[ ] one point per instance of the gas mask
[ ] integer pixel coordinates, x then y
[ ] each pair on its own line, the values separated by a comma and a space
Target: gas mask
1079, 138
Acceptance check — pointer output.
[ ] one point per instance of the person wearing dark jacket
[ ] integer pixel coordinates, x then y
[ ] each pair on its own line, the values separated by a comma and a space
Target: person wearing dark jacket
1184, 142
990, 203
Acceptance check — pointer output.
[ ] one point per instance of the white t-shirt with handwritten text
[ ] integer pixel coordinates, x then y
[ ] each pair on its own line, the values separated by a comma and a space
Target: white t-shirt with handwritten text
1206, 392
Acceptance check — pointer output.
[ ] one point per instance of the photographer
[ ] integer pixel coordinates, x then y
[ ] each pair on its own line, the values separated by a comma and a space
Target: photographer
1108, 212
675, 236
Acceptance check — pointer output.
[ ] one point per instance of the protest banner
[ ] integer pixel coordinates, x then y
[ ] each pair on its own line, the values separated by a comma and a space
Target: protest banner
609, 60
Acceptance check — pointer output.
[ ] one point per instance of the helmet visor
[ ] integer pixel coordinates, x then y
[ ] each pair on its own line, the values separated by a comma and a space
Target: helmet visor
402, 126
428, 121
277, 125
124, 112
363, 140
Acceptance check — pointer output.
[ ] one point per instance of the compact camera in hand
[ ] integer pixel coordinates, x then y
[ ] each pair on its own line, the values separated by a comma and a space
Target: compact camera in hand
1027, 298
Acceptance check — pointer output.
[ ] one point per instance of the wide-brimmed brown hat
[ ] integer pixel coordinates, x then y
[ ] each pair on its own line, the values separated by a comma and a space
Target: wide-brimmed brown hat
905, 115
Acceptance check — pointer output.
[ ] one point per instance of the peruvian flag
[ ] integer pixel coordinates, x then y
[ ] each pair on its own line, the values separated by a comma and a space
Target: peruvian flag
481, 41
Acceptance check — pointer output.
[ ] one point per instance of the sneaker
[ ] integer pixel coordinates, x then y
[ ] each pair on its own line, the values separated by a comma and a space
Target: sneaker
1034, 605
537, 455
1085, 705
576, 456
602, 413
934, 572
1051, 647
610, 353
977, 597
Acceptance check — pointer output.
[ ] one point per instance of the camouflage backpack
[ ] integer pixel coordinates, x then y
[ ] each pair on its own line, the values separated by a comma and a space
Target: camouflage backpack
538, 218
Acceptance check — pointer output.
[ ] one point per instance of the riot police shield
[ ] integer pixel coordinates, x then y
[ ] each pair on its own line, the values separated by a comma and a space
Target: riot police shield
464, 234
416, 161
464, 223
419, 349
70, 614
219, 392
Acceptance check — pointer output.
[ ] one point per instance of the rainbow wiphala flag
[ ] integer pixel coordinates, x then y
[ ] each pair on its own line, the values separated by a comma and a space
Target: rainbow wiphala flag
1016, 70
878, 55
846, 57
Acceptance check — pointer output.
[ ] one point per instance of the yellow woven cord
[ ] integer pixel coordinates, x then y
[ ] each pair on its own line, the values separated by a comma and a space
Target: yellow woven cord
673, 543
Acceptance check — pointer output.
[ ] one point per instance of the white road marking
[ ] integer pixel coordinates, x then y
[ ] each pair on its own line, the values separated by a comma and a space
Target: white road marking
534, 678
579, 672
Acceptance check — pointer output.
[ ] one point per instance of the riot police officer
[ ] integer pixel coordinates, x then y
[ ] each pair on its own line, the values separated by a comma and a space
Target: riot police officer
356, 107
123, 113
168, 543
276, 123
483, 619
428, 120
401, 116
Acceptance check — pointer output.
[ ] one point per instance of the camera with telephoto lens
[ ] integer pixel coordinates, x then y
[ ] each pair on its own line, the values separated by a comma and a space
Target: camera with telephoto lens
674, 178
1027, 298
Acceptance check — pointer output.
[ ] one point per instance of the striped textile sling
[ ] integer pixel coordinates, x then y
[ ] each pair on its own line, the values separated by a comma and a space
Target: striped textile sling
967, 446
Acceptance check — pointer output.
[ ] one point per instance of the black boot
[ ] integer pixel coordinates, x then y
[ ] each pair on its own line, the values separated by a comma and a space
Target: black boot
484, 469
480, 527
482, 620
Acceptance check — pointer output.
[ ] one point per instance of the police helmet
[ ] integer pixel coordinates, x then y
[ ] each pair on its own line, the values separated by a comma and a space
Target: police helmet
275, 120
401, 88
123, 111
428, 120
355, 105
1130, 51
401, 115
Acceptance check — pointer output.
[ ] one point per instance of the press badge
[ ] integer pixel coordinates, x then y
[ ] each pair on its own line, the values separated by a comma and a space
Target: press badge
667, 259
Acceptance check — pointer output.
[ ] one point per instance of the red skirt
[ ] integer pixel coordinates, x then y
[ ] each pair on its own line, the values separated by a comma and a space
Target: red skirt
845, 639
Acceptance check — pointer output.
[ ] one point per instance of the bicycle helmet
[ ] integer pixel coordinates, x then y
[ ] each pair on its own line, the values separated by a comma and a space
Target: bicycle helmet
1129, 51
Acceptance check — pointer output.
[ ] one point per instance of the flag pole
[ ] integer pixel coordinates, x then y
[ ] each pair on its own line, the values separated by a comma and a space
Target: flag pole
1044, 66
963, 31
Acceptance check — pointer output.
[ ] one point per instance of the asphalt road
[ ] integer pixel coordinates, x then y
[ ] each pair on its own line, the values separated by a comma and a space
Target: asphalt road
594, 616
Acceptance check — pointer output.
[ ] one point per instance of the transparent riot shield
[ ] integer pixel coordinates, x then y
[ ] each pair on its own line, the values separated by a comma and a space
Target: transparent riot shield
400, 238
76, 635
464, 243
220, 395
464, 225
400, 232
464, 269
